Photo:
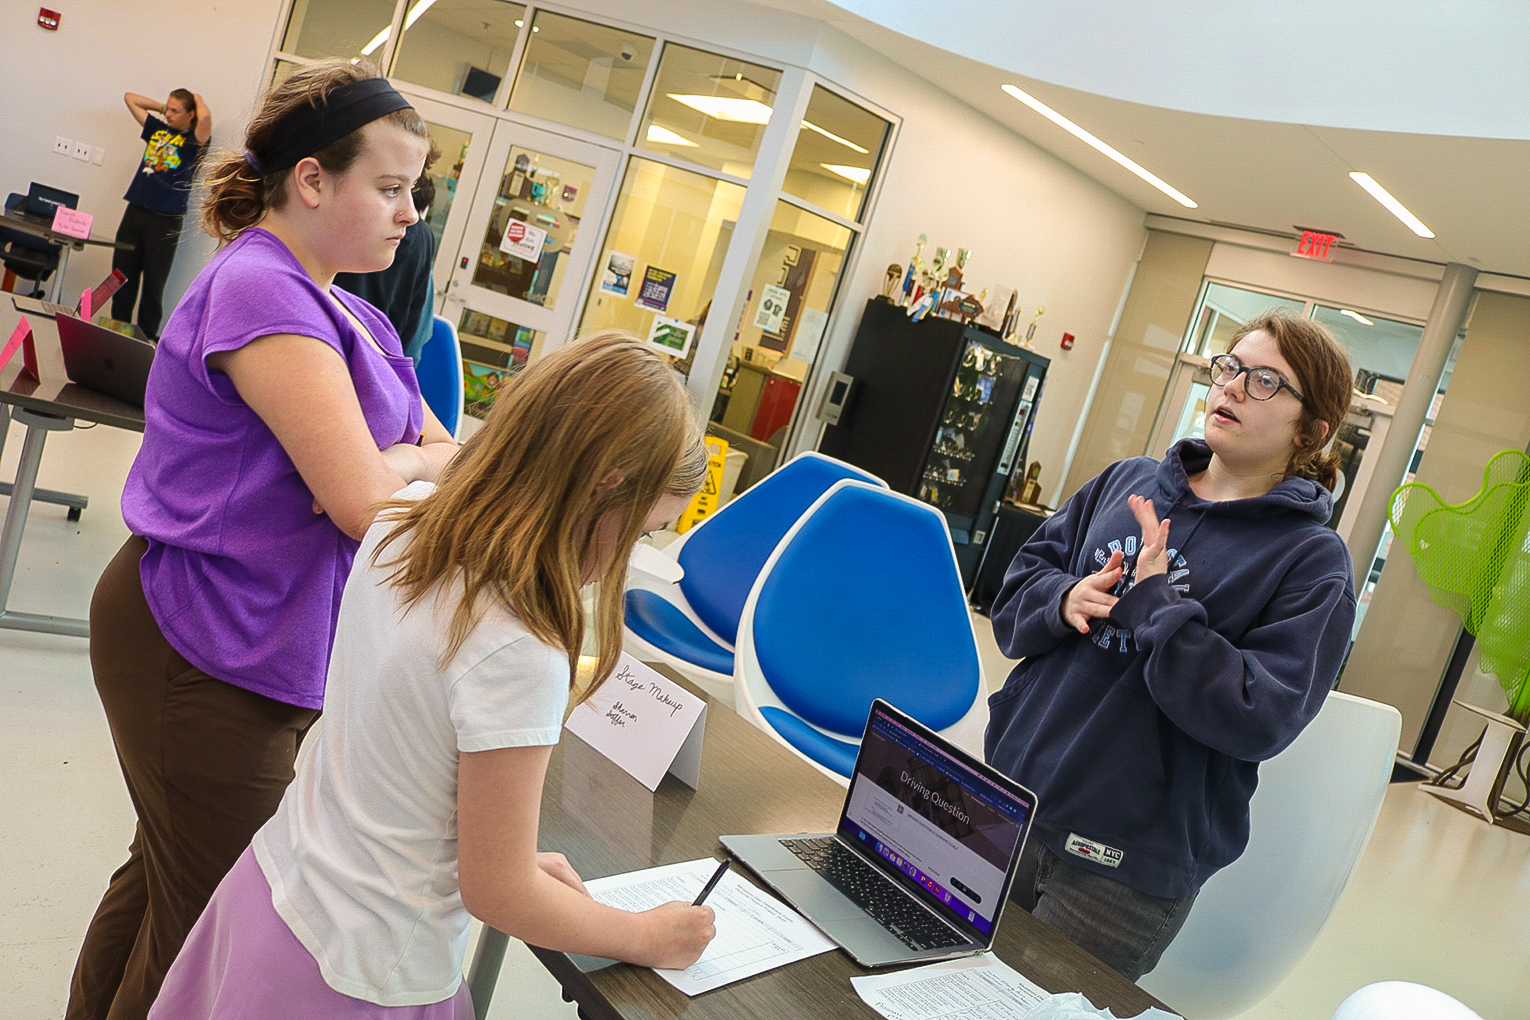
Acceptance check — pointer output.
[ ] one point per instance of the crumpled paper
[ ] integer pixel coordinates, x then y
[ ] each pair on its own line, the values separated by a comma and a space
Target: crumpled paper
1073, 1006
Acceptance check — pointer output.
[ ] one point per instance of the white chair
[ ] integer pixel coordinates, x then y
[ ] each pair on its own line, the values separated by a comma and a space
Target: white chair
1310, 820
1402, 1000
861, 599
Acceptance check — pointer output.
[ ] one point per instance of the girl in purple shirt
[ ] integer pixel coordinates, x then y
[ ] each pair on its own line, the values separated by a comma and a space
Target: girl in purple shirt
280, 411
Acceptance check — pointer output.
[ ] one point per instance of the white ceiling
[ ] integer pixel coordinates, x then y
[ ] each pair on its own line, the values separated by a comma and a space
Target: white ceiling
1261, 174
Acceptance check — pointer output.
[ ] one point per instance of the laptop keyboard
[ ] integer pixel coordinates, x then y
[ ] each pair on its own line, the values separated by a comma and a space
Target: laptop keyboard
882, 899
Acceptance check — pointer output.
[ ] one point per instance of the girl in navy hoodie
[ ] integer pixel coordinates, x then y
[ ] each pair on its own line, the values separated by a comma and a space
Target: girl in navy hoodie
1180, 621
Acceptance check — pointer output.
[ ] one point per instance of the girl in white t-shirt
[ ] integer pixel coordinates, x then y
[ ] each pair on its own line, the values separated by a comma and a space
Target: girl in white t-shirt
458, 636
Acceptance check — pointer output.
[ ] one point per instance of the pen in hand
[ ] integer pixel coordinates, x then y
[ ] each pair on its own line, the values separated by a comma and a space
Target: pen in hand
712, 882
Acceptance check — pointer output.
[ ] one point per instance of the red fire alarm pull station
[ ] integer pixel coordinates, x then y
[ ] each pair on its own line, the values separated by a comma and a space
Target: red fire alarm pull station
1067, 341
48, 19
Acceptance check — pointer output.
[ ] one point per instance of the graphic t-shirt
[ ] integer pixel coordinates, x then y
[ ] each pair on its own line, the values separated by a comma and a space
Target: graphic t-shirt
163, 180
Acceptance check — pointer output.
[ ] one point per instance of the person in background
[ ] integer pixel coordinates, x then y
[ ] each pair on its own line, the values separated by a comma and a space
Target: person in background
404, 292
1161, 668
280, 413
455, 657
177, 132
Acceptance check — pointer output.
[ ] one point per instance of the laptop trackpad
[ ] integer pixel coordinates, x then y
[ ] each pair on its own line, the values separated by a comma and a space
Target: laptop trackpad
812, 894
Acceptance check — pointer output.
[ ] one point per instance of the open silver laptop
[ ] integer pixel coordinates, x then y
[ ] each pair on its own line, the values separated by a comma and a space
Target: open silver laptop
105, 361
928, 842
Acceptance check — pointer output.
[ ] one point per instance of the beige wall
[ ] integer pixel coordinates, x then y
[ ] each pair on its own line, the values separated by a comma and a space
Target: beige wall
1141, 357
1406, 639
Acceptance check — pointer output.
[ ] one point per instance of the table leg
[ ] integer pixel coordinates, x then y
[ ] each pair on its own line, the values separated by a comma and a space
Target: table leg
69, 499
38, 427
483, 974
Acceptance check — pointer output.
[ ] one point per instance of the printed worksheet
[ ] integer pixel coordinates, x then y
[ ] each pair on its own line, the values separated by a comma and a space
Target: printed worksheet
755, 931
974, 988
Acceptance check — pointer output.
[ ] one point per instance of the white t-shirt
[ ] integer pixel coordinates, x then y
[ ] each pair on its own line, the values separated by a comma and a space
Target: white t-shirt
362, 853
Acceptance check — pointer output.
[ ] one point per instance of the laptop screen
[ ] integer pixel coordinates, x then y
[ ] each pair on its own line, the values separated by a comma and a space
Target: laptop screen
44, 201
941, 825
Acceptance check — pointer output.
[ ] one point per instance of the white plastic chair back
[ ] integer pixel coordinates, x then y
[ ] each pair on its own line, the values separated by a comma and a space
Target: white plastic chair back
1310, 820
1402, 1000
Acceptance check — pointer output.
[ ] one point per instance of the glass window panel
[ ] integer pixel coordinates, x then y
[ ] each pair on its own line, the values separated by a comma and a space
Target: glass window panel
338, 28
783, 322
578, 73
838, 146
459, 46
444, 173
709, 109
544, 192
493, 350
1380, 348
674, 221
1223, 309
282, 68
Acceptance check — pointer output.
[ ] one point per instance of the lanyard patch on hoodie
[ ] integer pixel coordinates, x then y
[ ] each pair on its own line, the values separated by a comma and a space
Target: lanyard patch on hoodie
1106, 634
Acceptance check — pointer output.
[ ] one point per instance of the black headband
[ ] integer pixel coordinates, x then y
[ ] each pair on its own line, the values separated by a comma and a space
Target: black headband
310, 127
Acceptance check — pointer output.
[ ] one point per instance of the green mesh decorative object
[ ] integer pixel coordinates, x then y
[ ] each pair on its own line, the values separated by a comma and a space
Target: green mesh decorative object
1475, 557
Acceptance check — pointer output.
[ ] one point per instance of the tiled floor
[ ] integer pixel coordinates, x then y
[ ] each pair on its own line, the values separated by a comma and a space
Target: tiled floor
1438, 898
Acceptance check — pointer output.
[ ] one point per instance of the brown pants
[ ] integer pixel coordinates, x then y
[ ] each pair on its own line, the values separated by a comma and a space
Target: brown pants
206, 764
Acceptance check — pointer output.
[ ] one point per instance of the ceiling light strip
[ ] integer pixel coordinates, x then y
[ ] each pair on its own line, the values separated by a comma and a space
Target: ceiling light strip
847, 143
1090, 140
1392, 205
420, 7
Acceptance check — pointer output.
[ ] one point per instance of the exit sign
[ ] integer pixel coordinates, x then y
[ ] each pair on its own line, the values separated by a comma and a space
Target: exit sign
1315, 245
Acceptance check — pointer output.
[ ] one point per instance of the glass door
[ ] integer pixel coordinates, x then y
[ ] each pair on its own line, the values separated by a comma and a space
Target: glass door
515, 281
463, 138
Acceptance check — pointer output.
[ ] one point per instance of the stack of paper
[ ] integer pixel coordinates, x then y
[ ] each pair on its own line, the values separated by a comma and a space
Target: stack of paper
755, 932
975, 988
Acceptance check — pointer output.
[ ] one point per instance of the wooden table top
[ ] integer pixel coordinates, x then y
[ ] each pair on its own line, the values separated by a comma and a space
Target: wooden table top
607, 823
55, 394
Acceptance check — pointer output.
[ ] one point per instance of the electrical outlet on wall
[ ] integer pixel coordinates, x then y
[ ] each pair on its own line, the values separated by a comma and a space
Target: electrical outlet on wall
63, 146
82, 151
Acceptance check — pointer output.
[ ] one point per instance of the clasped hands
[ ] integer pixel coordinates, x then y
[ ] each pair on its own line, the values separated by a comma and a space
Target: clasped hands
1091, 597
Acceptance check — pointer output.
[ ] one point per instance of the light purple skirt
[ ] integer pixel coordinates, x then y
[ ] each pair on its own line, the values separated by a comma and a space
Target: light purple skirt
242, 962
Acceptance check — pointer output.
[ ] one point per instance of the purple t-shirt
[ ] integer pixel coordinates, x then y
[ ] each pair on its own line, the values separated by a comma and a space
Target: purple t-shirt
242, 576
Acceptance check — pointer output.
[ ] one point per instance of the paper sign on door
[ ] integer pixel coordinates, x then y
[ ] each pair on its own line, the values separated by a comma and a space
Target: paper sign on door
523, 241
644, 723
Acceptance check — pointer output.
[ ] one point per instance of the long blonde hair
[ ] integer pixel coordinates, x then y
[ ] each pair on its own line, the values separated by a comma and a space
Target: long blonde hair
600, 426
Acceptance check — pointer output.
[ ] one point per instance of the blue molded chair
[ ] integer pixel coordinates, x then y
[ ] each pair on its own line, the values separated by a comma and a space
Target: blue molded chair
862, 599
440, 375
692, 625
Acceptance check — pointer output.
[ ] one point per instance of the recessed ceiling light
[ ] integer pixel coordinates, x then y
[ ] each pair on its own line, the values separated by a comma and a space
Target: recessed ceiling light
1362, 320
847, 143
664, 136
859, 175
741, 111
1393, 206
1089, 139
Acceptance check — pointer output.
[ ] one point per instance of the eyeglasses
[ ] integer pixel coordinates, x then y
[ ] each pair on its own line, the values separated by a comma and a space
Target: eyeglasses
1262, 383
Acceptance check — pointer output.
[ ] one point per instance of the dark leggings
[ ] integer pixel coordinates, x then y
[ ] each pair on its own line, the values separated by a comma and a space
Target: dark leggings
154, 237
206, 764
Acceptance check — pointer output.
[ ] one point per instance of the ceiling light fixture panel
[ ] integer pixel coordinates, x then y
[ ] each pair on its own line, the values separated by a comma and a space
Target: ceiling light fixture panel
860, 175
1391, 204
664, 136
1100, 146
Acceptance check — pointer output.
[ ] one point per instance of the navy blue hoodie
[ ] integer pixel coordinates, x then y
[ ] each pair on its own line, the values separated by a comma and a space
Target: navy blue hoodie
1142, 739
